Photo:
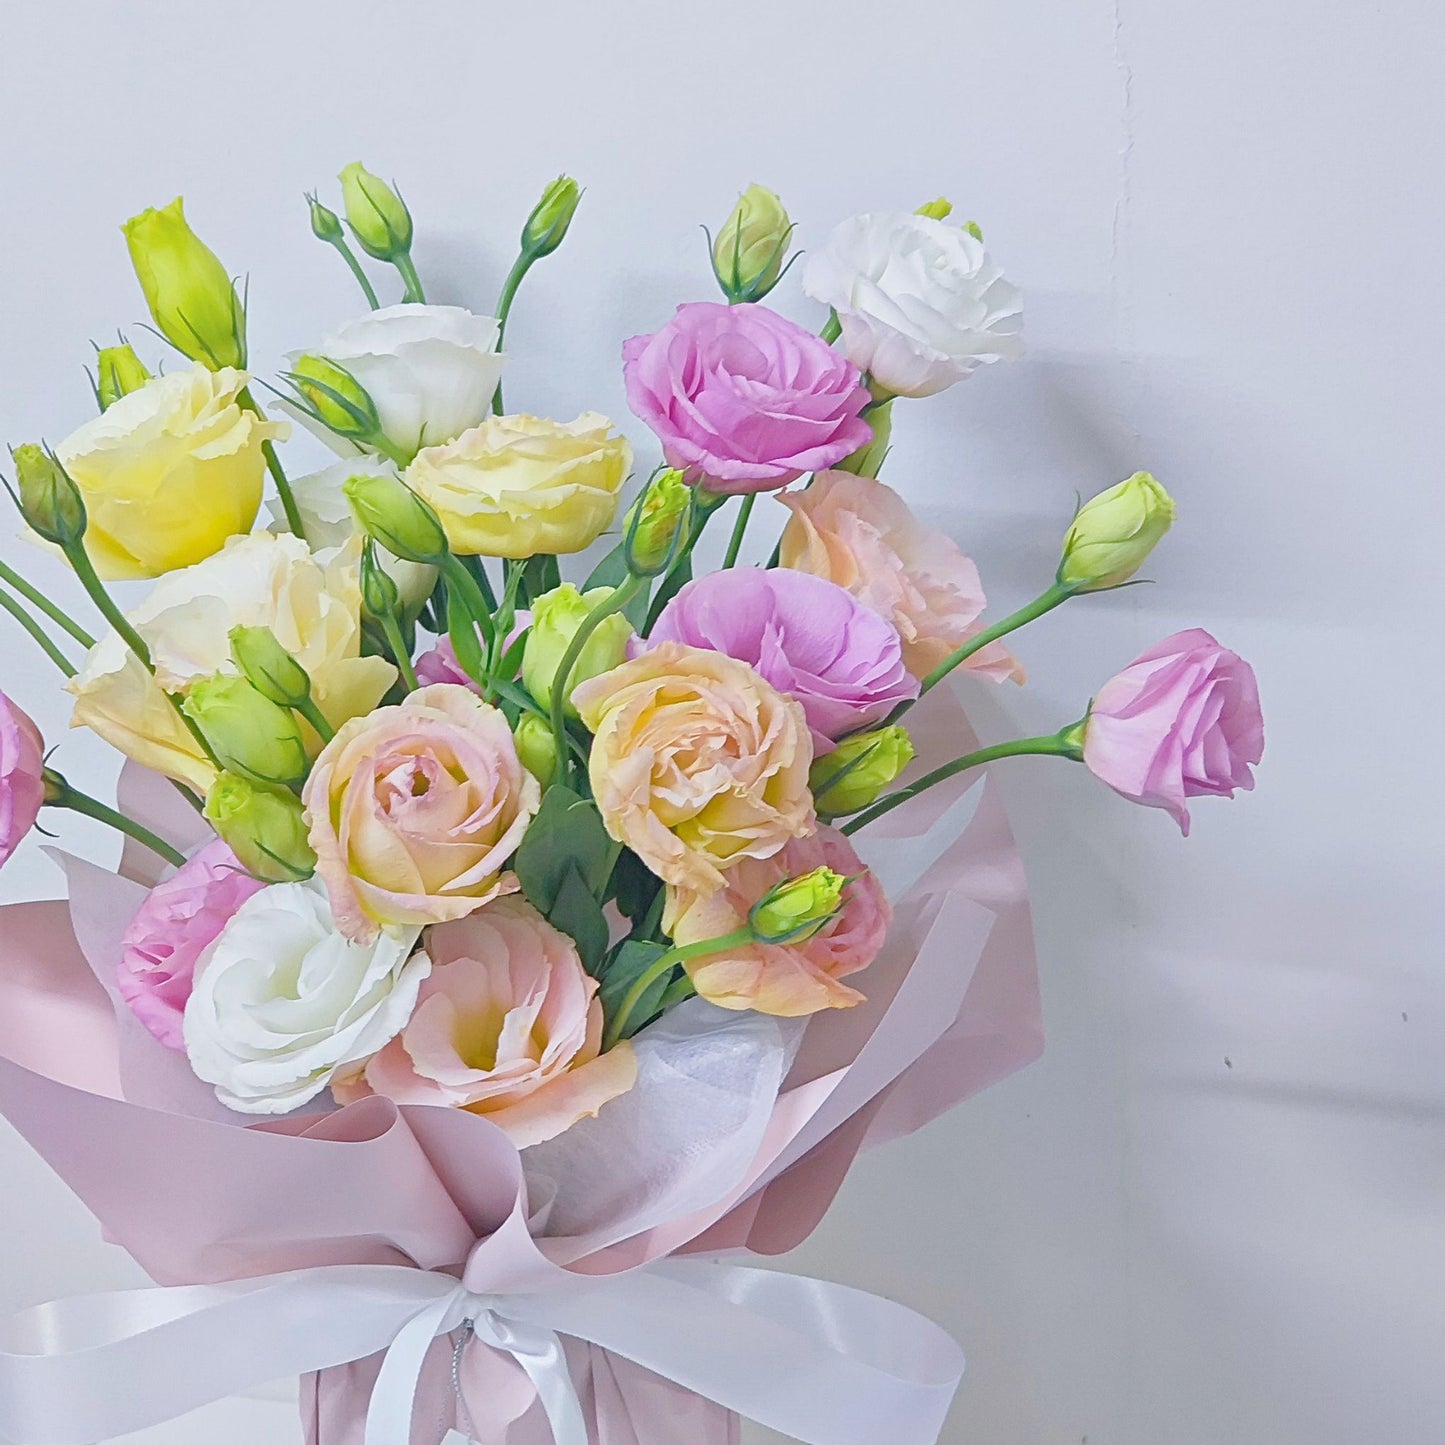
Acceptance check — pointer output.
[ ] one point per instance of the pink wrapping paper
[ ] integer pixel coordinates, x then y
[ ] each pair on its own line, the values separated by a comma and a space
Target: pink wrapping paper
197, 1194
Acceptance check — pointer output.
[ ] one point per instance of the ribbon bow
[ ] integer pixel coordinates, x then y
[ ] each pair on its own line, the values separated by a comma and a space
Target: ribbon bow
822, 1363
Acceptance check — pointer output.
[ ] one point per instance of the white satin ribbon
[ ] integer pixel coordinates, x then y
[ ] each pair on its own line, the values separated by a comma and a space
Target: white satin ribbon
822, 1363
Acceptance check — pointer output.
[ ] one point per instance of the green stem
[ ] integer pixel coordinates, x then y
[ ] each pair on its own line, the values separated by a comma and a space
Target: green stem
61, 795
36, 631
317, 718
1059, 745
614, 602
735, 543
278, 472
480, 603
661, 967
669, 587
520, 267
79, 559
349, 256
397, 643
56, 614
407, 267
1044, 602
832, 328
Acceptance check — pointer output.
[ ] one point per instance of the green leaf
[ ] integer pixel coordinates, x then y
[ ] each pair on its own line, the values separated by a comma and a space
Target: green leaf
566, 833
611, 571
633, 958
634, 886
579, 915
539, 574
672, 584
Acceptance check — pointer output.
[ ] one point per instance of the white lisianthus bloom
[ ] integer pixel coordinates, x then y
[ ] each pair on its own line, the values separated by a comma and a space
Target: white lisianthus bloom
328, 522
282, 1000
430, 370
920, 303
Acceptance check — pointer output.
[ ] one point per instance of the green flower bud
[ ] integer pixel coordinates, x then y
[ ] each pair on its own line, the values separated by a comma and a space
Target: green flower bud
747, 256
796, 909
188, 291
378, 217
325, 223
974, 229
1114, 533
335, 397
556, 616
246, 732
49, 501
537, 748
264, 827
656, 521
852, 776
118, 372
551, 216
388, 510
269, 668
939, 210
380, 595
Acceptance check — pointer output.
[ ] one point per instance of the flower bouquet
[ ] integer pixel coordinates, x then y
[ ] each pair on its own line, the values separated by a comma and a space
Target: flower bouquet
494, 959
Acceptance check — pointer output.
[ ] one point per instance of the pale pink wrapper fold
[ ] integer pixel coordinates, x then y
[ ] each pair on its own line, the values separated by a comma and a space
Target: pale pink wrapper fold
952, 1006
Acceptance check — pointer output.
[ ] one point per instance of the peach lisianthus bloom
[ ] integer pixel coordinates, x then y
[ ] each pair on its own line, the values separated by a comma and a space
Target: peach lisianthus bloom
507, 1024
697, 762
415, 810
789, 979
859, 533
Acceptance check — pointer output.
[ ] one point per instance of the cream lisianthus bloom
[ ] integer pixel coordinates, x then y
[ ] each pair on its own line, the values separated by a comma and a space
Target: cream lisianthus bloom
519, 485
169, 472
312, 602
327, 519
431, 371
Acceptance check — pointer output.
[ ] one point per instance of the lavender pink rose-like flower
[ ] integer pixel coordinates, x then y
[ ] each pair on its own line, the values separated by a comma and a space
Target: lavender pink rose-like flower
180, 918
806, 636
744, 400
1181, 721
22, 776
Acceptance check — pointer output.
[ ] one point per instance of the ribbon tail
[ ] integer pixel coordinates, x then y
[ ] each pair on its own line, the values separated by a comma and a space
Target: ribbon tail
393, 1398
818, 1362
540, 1354
80, 1370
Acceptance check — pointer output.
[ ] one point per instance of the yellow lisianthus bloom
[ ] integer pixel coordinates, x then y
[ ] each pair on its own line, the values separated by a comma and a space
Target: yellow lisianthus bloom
516, 486
169, 472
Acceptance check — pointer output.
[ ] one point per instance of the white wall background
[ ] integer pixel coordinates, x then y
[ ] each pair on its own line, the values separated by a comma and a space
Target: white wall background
1212, 1214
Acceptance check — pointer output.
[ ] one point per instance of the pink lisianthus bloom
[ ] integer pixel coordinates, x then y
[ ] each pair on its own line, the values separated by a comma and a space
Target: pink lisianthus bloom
415, 810
179, 920
789, 979
805, 635
22, 776
439, 663
860, 534
1181, 721
744, 400
507, 1024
